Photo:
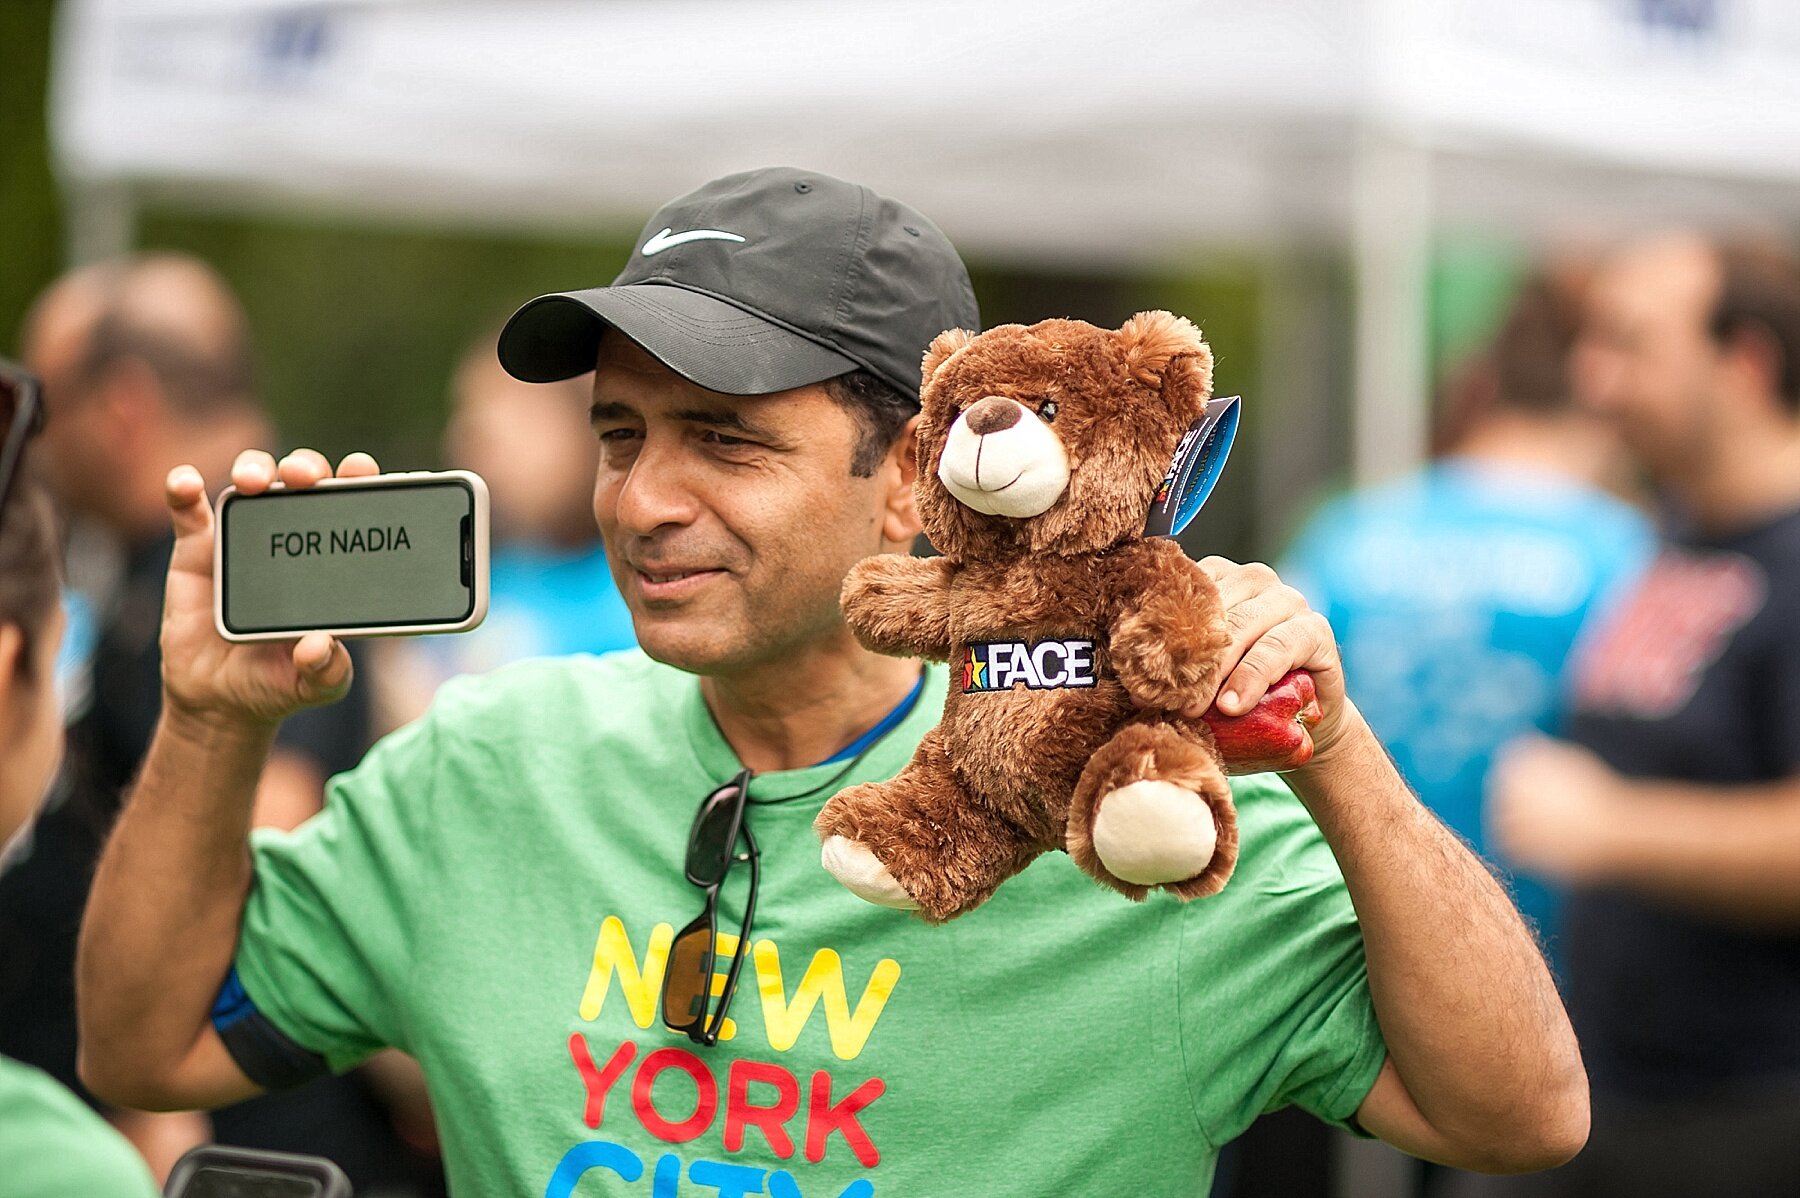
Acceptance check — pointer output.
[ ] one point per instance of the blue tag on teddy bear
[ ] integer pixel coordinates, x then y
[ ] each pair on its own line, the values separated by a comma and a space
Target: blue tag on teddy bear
1198, 461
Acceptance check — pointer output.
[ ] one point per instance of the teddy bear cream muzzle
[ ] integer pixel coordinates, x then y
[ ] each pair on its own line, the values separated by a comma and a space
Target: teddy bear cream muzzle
1001, 460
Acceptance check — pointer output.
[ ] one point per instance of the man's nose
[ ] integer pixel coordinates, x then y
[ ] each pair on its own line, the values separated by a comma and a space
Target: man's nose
656, 492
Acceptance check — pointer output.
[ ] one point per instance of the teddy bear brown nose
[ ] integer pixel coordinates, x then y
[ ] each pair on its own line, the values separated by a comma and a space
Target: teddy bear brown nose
991, 415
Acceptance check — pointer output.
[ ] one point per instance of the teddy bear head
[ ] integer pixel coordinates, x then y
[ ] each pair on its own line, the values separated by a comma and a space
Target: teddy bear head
1053, 437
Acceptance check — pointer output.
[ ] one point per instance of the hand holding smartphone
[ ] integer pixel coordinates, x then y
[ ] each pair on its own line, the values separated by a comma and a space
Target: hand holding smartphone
379, 555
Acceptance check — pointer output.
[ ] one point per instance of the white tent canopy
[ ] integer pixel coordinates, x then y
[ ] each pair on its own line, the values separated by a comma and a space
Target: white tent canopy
1038, 129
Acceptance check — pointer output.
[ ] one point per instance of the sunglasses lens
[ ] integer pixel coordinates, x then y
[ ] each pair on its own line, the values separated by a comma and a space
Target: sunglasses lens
714, 836
9, 401
687, 982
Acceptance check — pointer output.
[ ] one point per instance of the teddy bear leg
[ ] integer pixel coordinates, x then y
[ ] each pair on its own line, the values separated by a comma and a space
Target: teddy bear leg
919, 842
1153, 808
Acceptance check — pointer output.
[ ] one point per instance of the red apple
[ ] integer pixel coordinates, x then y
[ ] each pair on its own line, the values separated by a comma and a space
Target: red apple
1273, 735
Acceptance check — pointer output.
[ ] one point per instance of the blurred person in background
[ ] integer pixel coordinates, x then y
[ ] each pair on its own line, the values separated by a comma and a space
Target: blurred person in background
1673, 811
51, 1144
550, 590
1458, 592
146, 363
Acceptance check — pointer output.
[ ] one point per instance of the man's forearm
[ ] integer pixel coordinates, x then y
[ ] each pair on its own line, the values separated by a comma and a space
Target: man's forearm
1473, 1023
1728, 851
162, 920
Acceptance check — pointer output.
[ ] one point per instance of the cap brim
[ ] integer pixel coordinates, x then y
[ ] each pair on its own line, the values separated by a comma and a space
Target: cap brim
704, 339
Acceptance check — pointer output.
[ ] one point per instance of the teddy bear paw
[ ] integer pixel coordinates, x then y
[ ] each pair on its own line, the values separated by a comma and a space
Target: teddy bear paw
863, 874
1151, 833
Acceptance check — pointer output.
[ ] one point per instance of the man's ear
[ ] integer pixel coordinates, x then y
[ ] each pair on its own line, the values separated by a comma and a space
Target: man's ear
1162, 349
900, 522
942, 347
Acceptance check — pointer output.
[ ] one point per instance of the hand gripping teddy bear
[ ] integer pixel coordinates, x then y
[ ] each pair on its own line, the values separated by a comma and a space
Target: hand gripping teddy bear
1075, 641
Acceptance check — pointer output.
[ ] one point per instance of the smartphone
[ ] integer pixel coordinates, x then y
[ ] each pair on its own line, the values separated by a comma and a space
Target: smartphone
213, 1171
389, 555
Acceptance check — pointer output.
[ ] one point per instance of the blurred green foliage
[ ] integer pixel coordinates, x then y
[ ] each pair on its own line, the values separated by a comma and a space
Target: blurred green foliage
30, 221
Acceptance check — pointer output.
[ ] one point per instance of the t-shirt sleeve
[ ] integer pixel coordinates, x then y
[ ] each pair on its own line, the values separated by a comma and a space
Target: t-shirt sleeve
1287, 971
323, 951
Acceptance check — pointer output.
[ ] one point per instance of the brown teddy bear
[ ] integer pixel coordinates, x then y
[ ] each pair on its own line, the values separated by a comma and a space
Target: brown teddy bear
1075, 640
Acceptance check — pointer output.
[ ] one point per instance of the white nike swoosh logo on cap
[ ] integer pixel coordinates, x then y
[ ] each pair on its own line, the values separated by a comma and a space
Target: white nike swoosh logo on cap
668, 237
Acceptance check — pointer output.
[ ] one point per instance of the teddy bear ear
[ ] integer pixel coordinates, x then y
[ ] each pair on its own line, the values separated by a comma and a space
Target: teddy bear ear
1154, 340
942, 346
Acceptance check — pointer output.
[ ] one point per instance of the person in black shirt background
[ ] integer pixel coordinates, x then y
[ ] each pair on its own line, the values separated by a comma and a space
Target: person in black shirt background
146, 364
1673, 810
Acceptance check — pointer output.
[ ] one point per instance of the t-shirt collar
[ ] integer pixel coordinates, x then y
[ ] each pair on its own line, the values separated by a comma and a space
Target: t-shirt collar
883, 760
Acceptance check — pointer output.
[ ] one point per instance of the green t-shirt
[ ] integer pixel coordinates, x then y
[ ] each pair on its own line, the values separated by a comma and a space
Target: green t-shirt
53, 1146
495, 888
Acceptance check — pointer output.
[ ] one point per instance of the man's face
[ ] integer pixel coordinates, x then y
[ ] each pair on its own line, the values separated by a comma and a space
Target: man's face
729, 521
1646, 360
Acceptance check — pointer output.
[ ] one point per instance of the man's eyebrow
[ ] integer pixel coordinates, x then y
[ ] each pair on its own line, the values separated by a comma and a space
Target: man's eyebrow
729, 418
610, 410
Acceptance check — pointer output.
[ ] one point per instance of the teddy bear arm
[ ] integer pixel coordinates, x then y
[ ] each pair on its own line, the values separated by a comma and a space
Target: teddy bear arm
1169, 635
900, 605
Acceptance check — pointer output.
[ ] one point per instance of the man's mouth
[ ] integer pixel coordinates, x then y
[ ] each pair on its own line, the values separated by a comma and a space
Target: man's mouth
670, 584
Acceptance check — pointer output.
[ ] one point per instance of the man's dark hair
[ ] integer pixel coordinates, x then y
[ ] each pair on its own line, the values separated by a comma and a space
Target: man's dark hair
1759, 295
1525, 368
881, 411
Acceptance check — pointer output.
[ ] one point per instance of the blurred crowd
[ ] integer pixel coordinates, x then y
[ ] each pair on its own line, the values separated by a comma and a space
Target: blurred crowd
1577, 628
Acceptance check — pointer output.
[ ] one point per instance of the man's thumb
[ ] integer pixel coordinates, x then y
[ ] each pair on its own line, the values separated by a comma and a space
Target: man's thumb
323, 665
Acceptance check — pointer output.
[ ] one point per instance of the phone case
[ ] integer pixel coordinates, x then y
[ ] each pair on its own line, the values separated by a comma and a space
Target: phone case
246, 1166
479, 564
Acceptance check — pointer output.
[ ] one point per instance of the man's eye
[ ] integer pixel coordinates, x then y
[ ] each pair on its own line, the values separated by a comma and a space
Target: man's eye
717, 438
1047, 413
616, 434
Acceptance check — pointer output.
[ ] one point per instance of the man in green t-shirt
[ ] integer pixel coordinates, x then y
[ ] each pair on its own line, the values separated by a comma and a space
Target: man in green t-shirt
496, 889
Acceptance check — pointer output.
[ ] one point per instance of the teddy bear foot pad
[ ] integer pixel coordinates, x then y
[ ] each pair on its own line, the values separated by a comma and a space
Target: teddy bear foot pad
1152, 833
863, 874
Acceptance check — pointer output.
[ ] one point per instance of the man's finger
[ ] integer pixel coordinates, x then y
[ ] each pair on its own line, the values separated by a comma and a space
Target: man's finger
1300, 642
1267, 660
323, 665
1239, 583
1250, 617
191, 515
304, 467
357, 465
253, 472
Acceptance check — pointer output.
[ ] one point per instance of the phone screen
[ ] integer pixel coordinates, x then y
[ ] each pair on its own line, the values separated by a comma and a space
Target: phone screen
348, 557
231, 1181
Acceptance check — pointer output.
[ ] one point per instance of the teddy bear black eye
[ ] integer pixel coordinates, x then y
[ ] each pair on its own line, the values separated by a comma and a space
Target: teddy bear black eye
1047, 413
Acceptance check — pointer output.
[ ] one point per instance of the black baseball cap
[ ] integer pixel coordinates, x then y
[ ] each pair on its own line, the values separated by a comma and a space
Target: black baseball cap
759, 282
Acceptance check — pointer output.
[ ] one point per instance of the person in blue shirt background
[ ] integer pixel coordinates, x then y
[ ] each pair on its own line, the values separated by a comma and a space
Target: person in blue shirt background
1459, 591
551, 592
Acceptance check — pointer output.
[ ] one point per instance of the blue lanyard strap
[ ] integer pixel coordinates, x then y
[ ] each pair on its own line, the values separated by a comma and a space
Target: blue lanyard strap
887, 725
